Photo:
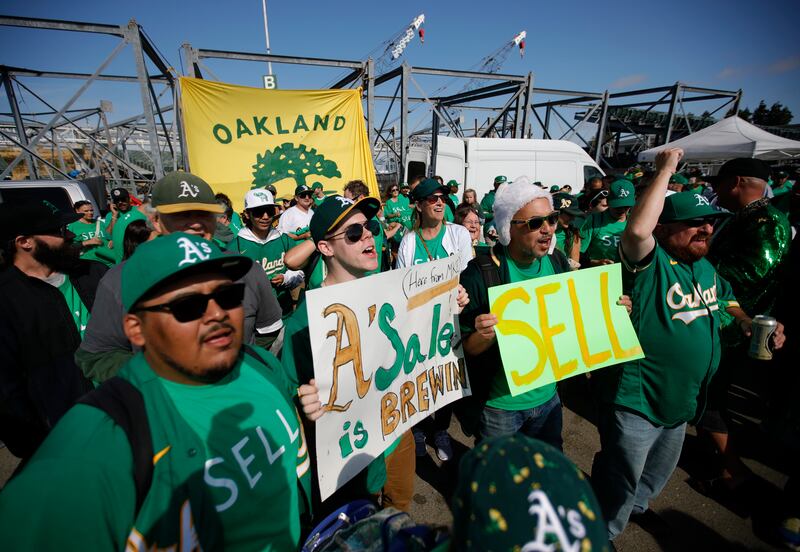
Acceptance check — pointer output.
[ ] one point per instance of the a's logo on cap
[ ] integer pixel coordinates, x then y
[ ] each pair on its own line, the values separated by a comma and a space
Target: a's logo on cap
261, 195
344, 201
565, 203
701, 200
624, 193
188, 189
193, 252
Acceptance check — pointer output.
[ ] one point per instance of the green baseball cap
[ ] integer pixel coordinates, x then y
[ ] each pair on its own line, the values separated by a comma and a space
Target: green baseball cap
554, 189
515, 490
430, 186
317, 186
451, 183
174, 256
500, 180
687, 206
566, 203
621, 194
334, 209
678, 178
181, 191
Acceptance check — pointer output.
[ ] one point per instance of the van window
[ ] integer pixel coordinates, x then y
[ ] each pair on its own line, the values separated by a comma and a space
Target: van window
590, 172
416, 168
34, 194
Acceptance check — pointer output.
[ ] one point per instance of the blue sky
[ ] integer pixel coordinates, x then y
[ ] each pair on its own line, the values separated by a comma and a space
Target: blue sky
593, 46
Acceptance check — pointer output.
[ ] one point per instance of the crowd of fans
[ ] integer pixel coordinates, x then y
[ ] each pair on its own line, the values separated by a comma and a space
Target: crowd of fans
157, 380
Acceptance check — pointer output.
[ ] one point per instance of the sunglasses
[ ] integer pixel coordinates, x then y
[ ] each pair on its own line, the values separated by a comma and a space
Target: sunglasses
191, 307
258, 212
434, 199
695, 223
355, 231
534, 223
305, 195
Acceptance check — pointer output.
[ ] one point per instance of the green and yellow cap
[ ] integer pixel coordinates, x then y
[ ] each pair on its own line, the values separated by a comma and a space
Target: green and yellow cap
514, 490
621, 193
687, 206
181, 191
334, 209
174, 256
500, 180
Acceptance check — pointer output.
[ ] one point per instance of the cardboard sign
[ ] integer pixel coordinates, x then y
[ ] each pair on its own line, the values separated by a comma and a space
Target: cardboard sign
387, 353
560, 326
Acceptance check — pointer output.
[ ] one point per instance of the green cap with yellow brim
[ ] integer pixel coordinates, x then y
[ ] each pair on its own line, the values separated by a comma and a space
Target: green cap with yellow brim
181, 191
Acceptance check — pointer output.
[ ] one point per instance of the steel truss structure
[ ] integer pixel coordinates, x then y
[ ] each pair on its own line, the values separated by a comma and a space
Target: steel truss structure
506, 101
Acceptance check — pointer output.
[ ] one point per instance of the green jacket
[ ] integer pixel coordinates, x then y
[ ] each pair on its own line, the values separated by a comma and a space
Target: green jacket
487, 206
77, 492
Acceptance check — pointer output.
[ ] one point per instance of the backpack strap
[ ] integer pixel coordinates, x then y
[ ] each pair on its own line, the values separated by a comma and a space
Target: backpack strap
124, 404
490, 269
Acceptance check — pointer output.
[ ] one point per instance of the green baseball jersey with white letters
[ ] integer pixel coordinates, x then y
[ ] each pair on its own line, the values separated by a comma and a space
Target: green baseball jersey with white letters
231, 471
268, 256
600, 236
86, 231
676, 314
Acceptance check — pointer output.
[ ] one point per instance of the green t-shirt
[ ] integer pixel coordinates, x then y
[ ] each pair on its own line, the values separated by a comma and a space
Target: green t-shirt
448, 214
298, 362
318, 200
561, 237
230, 476
86, 231
785, 189
454, 199
80, 314
487, 206
403, 208
676, 314
429, 250
118, 232
600, 236
236, 223
499, 395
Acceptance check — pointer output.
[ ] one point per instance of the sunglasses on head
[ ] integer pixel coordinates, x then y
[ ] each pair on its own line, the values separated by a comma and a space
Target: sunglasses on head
355, 231
305, 195
534, 223
191, 307
434, 199
258, 212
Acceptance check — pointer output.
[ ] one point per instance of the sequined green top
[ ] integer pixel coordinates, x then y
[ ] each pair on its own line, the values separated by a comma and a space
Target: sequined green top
750, 250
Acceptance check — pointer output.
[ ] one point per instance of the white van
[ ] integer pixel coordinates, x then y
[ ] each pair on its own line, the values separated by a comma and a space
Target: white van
61, 193
475, 162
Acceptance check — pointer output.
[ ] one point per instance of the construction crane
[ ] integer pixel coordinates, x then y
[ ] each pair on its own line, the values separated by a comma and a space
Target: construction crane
494, 62
394, 47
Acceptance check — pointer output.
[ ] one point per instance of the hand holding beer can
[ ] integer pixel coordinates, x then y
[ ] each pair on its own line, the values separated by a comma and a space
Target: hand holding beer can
762, 328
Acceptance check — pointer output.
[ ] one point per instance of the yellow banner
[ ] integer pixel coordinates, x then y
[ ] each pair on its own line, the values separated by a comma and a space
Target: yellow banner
239, 138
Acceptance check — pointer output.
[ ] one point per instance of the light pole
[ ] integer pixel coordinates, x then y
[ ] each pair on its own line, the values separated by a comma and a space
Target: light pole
266, 34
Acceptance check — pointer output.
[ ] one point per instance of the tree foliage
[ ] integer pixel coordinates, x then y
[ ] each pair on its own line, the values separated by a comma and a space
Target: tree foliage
290, 161
776, 115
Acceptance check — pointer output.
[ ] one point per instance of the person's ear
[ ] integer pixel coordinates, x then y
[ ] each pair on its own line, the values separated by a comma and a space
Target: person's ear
25, 243
132, 326
325, 248
157, 226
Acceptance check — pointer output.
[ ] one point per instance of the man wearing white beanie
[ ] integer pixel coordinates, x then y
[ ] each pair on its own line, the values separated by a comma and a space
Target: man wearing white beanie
526, 223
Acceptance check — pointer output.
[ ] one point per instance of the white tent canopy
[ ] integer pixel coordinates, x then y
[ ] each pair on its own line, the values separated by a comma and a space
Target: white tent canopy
728, 139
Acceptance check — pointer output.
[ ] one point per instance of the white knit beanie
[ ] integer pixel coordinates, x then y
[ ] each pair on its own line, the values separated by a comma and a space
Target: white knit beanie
512, 197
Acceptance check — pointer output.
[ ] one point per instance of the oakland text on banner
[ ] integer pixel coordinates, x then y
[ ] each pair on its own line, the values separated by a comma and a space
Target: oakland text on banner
387, 353
239, 138
560, 326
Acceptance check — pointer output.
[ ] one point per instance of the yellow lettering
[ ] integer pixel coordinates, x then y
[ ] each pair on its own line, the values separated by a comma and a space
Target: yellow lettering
390, 416
560, 371
612, 332
346, 320
588, 359
516, 327
406, 397
422, 391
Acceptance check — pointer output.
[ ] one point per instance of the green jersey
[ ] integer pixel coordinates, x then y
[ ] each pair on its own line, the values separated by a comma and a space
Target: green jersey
230, 471
89, 230
429, 250
499, 395
269, 255
402, 207
298, 363
118, 232
676, 314
487, 206
600, 236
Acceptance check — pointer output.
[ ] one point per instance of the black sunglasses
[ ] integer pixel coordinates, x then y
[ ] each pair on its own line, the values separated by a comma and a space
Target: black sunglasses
258, 212
191, 307
697, 222
305, 195
355, 231
434, 199
534, 223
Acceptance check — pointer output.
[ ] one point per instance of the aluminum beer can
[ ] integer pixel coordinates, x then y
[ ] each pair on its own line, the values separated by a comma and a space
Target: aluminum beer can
763, 327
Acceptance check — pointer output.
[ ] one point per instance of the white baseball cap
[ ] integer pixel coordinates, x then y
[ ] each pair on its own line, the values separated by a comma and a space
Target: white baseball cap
257, 198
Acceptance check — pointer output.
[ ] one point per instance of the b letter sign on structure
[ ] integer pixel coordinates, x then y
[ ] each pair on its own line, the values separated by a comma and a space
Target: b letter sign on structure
560, 326
387, 353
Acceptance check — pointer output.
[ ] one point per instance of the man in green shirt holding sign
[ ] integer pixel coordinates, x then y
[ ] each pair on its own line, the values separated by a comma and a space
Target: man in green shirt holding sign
677, 296
229, 468
526, 222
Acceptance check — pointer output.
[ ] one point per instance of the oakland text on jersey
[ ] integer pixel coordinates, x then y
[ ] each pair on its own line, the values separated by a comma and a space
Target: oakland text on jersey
693, 303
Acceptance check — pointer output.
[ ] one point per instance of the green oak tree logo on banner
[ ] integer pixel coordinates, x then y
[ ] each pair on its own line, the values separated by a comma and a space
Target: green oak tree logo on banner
290, 161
